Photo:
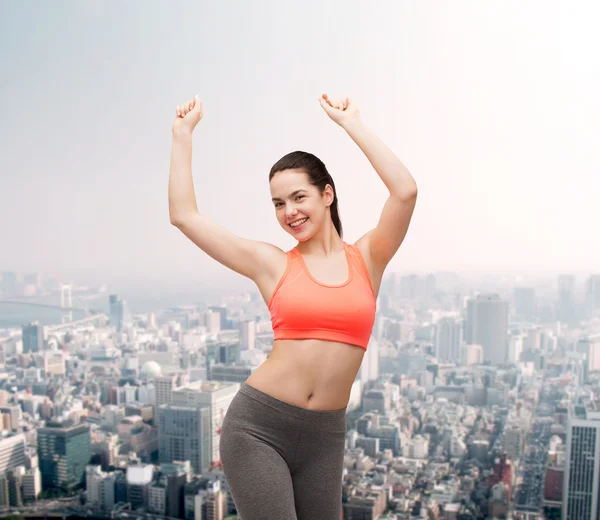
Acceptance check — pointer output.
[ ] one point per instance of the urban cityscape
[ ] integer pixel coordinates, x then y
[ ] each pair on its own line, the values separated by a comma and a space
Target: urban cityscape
123, 345
475, 399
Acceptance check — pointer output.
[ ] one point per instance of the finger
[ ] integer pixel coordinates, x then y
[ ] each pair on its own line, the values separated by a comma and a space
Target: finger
178, 111
324, 104
326, 98
190, 104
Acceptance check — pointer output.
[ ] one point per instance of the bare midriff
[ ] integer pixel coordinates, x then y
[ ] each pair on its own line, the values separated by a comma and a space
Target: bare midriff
309, 373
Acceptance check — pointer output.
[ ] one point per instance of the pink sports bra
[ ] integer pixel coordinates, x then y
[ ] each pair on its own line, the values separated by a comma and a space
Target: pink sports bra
303, 308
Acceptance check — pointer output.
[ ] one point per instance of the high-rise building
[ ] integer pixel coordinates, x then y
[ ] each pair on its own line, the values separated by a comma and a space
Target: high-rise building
33, 337
12, 452
369, 368
581, 491
589, 347
64, 450
118, 312
471, 355
212, 321
184, 434
448, 339
217, 397
226, 352
164, 386
566, 305
414, 287
222, 311
515, 348
247, 334
487, 325
525, 303
592, 292
139, 479
177, 475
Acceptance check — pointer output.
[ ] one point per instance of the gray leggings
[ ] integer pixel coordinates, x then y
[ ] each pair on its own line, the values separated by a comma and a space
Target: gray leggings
281, 461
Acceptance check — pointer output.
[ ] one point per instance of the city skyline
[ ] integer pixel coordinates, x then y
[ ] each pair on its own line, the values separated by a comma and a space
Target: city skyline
494, 112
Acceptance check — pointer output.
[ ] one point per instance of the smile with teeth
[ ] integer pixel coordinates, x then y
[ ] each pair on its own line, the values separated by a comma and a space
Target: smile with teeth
297, 223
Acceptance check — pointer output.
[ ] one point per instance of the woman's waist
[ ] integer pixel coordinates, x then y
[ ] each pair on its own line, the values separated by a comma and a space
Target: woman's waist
309, 373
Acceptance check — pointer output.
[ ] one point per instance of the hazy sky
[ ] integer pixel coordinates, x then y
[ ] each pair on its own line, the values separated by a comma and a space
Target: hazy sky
493, 106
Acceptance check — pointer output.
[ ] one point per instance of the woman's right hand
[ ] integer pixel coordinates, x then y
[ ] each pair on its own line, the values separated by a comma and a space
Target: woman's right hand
188, 115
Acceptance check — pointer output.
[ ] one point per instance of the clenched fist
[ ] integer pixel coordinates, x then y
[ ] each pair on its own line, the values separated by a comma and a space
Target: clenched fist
188, 115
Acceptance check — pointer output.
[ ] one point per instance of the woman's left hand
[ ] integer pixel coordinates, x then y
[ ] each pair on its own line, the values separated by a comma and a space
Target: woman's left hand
342, 111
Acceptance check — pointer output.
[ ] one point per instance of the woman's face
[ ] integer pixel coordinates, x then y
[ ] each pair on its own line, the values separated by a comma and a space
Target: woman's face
300, 209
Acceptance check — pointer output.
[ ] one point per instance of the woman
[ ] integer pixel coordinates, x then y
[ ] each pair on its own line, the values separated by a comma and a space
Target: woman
283, 436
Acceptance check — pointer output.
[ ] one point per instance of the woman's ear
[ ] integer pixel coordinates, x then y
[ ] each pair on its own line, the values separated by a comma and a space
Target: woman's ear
328, 195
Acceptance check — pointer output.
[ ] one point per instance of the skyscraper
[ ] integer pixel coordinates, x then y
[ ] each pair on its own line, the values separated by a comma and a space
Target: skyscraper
184, 434
164, 386
487, 325
448, 339
118, 311
64, 450
33, 337
566, 305
525, 303
12, 452
217, 396
582, 469
247, 330
592, 292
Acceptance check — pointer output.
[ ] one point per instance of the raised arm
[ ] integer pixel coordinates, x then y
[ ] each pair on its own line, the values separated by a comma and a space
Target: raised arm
249, 258
383, 241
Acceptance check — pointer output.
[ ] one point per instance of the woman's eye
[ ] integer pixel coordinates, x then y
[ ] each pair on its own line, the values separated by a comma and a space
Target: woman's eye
299, 197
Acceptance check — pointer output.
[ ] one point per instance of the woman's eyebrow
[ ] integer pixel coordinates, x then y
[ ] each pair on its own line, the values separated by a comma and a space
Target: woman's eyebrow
291, 195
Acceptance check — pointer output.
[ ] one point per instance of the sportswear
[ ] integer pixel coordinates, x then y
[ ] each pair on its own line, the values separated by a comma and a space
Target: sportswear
304, 308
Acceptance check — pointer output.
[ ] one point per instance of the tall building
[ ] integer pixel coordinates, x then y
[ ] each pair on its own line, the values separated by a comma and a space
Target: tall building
515, 348
525, 303
184, 434
592, 292
12, 452
33, 337
64, 450
247, 334
487, 325
217, 397
589, 347
226, 352
177, 475
581, 489
212, 321
414, 287
471, 355
448, 339
139, 480
100, 488
118, 312
566, 305
369, 368
164, 386
222, 311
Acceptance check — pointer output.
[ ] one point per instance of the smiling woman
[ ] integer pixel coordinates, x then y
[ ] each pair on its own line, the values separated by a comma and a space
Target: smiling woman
285, 428
314, 194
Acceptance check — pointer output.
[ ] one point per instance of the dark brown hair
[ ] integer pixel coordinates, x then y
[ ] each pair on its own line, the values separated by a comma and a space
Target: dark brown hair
317, 175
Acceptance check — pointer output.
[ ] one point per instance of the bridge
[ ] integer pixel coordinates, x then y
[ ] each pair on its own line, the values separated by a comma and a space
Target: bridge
50, 306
